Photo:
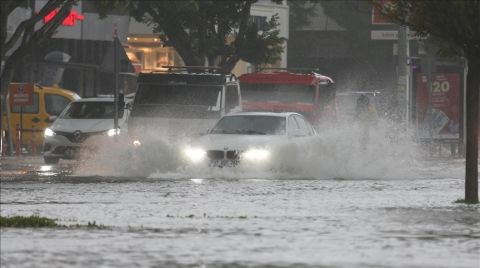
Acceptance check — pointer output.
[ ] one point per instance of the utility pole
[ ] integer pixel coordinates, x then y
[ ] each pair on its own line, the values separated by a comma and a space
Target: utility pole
428, 61
402, 79
115, 77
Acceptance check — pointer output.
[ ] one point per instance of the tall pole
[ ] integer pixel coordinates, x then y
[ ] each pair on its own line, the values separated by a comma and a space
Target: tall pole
402, 71
115, 75
429, 63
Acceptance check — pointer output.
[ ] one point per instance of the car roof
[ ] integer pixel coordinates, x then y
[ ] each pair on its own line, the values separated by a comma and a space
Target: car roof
282, 114
185, 78
95, 100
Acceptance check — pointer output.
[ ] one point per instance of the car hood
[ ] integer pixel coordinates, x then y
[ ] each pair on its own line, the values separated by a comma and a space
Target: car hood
237, 142
84, 125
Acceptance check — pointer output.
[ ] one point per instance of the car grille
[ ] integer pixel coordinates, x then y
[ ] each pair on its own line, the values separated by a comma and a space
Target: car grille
219, 155
78, 137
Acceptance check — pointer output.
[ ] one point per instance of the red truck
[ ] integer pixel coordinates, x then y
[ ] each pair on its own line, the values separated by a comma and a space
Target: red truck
286, 90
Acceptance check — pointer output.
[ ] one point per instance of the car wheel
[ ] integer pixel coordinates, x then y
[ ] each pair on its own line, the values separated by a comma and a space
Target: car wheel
50, 160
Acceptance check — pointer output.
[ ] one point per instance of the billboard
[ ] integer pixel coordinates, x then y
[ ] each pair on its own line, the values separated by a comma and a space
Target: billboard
444, 119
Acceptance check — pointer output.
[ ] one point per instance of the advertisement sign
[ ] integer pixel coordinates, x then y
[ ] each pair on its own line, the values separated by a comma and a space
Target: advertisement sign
20, 94
70, 20
444, 119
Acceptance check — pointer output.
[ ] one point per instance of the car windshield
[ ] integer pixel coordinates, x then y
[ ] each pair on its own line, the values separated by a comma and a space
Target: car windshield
200, 95
280, 93
248, 124
90, 110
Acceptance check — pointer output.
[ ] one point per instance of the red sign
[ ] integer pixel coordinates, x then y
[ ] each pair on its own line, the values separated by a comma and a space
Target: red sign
377, 16
445, 103
20, 94
70, 20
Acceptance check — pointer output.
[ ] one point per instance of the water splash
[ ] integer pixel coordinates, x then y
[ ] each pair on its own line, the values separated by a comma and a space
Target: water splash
339, 151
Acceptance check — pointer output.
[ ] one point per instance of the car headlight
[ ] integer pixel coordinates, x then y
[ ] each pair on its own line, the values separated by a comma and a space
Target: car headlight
113, 132
49, 132
195, 155
256, 154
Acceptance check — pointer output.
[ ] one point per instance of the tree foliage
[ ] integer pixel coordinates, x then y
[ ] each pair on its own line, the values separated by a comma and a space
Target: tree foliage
455, 23
207, 31
455, 26
26, 34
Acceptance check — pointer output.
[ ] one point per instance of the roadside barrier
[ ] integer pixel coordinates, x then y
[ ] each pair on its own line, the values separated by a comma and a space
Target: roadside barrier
18, 146
3, 140
33, 146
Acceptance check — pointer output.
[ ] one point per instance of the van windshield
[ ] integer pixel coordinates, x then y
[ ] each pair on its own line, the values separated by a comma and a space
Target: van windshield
198, 95
90, 110
280, 93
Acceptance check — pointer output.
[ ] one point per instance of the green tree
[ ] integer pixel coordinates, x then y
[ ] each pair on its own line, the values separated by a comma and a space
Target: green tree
206, 31
455, 26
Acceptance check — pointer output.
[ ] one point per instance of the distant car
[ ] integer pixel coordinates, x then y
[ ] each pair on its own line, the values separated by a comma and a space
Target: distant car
246, 138
82, 121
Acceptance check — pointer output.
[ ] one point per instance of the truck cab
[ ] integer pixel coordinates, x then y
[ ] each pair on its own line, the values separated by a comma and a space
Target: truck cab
175, 104
284, 90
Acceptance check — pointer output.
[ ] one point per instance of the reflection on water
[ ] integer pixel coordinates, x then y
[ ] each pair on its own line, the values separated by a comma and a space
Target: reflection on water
175, 220
337, 204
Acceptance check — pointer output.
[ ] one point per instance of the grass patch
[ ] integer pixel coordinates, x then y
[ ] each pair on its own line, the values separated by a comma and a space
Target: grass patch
35, 221
27, 222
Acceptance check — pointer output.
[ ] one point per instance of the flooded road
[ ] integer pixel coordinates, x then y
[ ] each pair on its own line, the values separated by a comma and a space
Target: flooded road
230, 220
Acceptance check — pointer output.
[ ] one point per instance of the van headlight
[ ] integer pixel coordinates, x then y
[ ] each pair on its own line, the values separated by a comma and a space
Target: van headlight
49, 132
113, 132
256, 155
195, 155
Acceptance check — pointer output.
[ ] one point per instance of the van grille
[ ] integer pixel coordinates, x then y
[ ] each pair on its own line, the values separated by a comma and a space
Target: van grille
78, 137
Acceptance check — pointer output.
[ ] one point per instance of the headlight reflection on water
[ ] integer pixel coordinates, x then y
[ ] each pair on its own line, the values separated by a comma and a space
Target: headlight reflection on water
113, 132
136, 143
45, 168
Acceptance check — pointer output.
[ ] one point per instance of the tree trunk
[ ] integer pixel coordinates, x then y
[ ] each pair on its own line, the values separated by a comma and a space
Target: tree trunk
472, 117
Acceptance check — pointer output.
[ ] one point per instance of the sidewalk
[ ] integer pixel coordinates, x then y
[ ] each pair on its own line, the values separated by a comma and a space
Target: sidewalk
22, 160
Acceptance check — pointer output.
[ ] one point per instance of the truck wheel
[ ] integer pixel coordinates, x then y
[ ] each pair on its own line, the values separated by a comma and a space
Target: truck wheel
50, 160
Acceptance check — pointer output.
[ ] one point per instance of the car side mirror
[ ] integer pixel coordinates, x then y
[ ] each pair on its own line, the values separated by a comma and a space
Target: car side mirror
52, 118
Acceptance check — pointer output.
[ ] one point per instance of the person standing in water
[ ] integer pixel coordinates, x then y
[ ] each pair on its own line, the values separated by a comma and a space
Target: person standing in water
366, 116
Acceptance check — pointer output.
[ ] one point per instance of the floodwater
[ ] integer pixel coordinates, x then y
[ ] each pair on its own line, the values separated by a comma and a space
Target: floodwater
405, 216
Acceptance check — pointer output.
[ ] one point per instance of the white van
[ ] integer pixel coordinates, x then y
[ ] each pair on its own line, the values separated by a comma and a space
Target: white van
82, 121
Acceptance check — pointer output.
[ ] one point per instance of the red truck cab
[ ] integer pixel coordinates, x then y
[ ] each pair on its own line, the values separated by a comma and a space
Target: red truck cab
310, 94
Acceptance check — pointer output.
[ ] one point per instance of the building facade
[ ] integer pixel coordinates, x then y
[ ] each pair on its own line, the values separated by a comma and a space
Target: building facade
148, 53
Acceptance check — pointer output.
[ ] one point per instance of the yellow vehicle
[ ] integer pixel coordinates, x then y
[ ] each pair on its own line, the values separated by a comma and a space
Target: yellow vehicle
48, 103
